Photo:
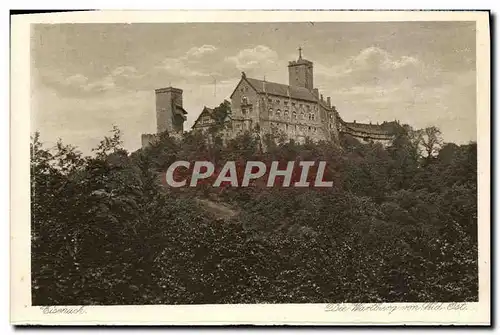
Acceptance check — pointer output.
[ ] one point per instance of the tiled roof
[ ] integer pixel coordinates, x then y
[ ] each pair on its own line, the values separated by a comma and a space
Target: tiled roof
386, 128
295, 92
180, 108
209, 110
180, 111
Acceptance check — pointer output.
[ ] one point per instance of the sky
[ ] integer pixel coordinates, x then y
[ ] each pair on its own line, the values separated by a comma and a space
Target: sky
86, 78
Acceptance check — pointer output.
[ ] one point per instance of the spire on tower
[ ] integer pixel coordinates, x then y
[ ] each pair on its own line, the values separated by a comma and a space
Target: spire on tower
300, 52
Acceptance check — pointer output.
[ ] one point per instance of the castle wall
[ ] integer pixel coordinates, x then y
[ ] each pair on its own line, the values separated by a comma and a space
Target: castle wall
245, 107
147, 140
296, 118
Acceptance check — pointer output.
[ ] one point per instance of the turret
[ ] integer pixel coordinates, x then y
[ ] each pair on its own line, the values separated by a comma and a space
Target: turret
300, 73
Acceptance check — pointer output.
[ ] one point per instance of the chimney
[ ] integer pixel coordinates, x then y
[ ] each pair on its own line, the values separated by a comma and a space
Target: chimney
354, 121
321, 97
243, 75
328, 101
316, 92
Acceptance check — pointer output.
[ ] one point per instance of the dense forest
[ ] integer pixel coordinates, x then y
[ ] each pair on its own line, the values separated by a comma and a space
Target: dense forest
399, 224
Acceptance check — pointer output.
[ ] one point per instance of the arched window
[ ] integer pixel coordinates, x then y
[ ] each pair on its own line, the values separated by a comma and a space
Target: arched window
244, 100
278, 113
286, 113
270, 112
294, 115
302, 115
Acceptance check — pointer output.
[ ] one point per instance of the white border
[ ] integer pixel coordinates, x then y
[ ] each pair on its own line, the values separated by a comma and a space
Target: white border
306, 314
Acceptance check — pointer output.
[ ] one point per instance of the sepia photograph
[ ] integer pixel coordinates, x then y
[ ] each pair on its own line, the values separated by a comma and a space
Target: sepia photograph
284, 162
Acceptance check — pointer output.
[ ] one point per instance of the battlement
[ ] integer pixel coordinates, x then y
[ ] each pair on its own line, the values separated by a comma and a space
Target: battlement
300, 62
168, 89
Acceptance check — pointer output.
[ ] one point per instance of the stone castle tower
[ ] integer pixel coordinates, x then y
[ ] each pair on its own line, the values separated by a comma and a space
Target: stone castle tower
170, 115
300, 73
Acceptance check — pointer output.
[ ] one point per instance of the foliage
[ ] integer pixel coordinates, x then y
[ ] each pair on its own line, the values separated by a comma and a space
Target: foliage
396, 226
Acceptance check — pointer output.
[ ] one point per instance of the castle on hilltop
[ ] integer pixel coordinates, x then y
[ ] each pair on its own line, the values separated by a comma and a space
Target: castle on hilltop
296, 110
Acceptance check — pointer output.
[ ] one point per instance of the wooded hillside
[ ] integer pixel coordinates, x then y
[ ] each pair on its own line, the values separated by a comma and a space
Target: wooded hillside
399, 224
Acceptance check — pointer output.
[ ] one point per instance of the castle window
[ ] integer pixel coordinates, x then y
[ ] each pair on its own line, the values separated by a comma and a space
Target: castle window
309, 116
270, 112
277, 101
286, 103
270, 100
294, 115
250, 110
309, 129
278, 113
243, 111
286, 113
244, 100
293, 103
302, 115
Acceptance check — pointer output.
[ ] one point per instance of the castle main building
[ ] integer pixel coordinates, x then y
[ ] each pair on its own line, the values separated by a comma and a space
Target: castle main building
296, 110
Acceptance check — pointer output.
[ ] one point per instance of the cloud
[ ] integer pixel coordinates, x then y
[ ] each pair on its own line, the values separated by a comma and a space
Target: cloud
84, 121
121, 77
369, 84
125, 71
376, 85
374, 66
200, 51
260, 56
75, 84
100, 85
201, 65
179, 67
75, 80
197, 62
376, 59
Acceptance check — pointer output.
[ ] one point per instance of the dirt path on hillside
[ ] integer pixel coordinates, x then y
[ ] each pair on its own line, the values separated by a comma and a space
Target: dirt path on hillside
219, 210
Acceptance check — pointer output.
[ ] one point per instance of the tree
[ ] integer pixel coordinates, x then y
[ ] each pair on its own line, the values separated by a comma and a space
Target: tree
221, 112
104, 230
431, 141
